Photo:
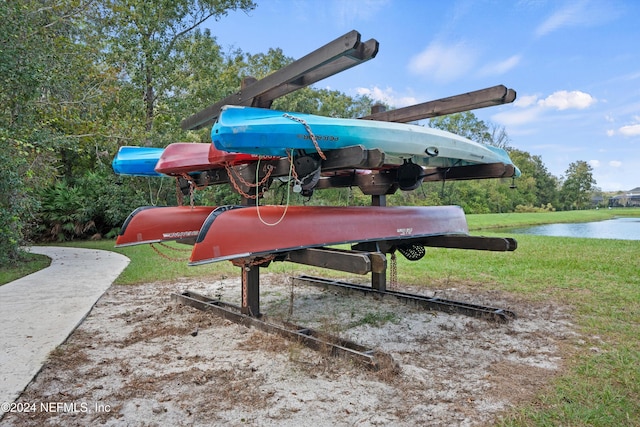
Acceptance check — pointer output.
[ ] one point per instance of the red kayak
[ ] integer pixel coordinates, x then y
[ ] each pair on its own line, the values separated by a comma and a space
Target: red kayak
243, 232
187, 157
151, 224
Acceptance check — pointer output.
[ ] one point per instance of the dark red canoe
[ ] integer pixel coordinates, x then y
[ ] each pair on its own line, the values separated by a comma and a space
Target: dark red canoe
151, 224
241, 232
186, 157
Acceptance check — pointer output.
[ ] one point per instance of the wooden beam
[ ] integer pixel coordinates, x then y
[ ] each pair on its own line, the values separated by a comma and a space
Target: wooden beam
342, 53
363, 52
496, 244
355, 156
376, 183
334, 259
488, 97
461, 173
480, 243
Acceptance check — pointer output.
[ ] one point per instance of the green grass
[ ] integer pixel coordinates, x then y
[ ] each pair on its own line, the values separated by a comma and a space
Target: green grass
598, 279
148, 266
513, 220
30, 264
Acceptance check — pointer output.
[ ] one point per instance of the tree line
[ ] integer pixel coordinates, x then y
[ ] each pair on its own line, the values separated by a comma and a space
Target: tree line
81, 78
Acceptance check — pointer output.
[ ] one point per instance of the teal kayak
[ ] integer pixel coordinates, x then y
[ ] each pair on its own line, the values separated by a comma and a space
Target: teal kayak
275, 133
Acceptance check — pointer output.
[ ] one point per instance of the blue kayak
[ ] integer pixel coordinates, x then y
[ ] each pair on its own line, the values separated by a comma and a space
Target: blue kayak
275, 133
137, 161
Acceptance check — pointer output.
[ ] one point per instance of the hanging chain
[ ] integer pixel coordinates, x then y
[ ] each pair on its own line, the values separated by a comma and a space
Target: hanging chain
232, 179
179, 194
171, 248
311, 135
245, 263
230, 172
393, 271
165, 256
193, 186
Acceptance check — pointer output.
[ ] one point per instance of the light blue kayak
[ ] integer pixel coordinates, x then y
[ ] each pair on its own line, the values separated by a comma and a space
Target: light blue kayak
274, 133
137, 161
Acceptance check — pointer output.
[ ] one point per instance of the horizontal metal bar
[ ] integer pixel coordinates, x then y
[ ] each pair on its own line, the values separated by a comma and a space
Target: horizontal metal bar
316, 340
431, 303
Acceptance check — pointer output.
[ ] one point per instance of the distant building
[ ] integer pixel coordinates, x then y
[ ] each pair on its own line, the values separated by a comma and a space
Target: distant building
628, 199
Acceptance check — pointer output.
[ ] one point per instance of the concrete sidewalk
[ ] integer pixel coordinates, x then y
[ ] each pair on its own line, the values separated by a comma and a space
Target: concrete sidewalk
38, 312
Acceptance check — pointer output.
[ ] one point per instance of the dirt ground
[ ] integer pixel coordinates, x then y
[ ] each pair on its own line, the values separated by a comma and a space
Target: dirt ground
139, 359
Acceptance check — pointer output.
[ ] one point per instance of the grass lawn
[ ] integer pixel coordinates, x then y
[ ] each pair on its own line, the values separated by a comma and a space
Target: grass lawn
598, 279
30, 264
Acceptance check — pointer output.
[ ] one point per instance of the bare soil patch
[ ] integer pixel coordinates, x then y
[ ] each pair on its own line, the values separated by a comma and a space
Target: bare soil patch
140, 360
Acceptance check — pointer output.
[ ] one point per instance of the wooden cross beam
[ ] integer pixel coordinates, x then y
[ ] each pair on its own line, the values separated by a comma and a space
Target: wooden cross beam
343, 53
488, 97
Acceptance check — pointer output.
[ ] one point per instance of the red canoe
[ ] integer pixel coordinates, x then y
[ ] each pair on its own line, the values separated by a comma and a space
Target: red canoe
238, 232
186, 157
151, 224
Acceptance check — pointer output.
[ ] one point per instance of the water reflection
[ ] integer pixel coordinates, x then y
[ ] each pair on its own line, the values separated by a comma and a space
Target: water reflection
618, 228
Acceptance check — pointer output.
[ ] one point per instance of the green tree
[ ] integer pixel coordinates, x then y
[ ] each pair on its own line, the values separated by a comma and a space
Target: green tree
143, 37
34, 37
466, 124
14, 201
577, 185
480, 196
206, 76
544, 190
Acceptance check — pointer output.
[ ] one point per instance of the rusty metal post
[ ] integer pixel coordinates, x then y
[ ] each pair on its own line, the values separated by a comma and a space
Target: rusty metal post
250, 278
250, 291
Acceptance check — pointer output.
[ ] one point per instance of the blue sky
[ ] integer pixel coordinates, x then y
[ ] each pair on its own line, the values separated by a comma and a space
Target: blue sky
575, 65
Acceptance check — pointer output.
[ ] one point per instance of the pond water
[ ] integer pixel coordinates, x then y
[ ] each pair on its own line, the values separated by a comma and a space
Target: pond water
617, 228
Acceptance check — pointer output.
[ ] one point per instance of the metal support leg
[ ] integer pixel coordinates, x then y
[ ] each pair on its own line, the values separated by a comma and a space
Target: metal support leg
379, 279
379, 200
379, 273
250, 291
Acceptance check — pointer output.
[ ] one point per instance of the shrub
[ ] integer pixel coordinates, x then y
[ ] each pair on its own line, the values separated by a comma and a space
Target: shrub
14, 201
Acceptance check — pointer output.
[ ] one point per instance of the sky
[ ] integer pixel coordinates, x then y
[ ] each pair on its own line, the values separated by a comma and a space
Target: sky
575, 65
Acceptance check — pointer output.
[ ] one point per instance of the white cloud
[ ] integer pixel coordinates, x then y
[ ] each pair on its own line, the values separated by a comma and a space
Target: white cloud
501, 67
388, 96
348, 11
530, 108
443, 63
564, 100
561, 18
611, 132
525, 101
630, 130
594, 163
584, 13
516, 117
615, 163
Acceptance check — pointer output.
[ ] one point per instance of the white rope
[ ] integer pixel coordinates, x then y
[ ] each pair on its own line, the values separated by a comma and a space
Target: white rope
286, 208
